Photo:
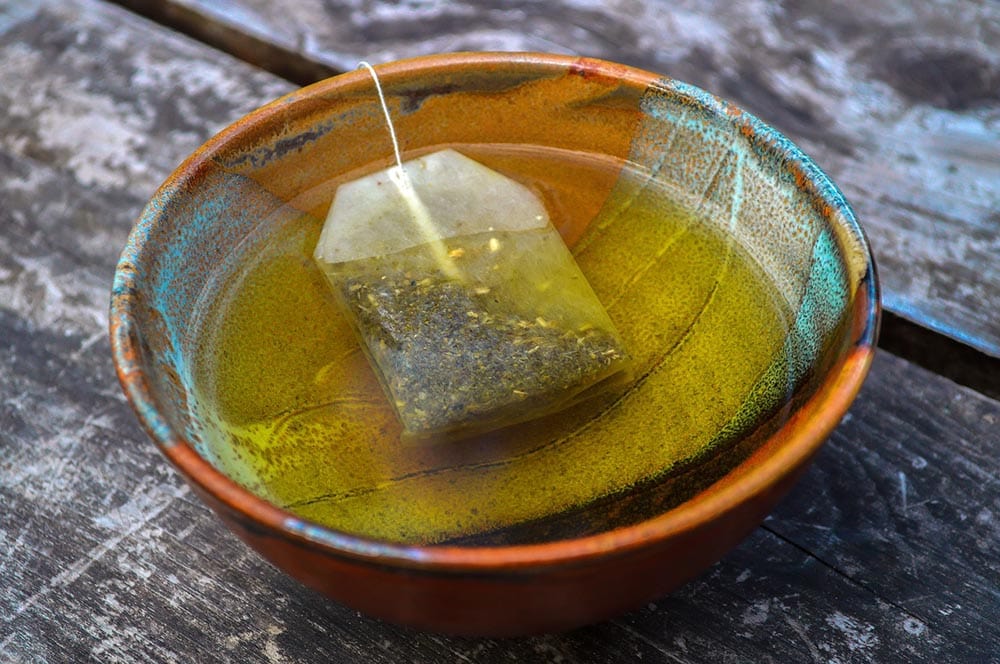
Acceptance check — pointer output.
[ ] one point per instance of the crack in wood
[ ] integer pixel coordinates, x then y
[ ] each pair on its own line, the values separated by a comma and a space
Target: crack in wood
846, 576
941, 354
261, 53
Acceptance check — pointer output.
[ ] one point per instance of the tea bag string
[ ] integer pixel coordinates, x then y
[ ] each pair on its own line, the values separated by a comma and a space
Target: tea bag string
399, 176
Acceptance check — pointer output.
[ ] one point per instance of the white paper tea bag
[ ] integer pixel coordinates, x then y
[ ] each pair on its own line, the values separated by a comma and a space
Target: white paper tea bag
470, 307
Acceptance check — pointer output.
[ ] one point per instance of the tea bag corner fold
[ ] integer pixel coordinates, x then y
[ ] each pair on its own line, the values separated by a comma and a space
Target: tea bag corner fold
471, 309
370, 216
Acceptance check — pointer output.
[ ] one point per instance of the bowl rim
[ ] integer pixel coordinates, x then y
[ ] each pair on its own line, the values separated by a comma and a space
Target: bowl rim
804, 430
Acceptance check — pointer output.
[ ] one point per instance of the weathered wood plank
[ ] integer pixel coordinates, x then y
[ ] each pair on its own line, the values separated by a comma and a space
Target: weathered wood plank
899, 102
106, 555
114, 114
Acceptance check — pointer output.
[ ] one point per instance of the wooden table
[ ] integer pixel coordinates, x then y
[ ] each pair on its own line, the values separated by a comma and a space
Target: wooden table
889, 548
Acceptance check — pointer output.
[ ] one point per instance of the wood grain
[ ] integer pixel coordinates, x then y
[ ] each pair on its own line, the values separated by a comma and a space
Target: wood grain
887, 551
899, 102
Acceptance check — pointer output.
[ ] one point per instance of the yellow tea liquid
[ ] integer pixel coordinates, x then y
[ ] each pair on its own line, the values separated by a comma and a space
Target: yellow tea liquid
293, 410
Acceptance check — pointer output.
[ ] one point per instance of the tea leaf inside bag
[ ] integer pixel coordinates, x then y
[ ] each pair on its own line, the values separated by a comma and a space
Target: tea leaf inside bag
510, 331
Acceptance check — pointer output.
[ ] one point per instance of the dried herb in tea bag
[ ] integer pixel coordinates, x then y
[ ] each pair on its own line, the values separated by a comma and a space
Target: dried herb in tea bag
493, 325
470, 307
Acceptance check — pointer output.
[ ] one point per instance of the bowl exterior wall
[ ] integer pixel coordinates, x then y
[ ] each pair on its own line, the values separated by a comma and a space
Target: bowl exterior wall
507, 602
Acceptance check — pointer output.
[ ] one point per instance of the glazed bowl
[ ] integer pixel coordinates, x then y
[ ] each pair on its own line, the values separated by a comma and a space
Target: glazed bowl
621, 545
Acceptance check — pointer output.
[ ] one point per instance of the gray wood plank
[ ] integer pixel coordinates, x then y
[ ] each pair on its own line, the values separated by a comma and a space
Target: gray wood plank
105, 555
898, 101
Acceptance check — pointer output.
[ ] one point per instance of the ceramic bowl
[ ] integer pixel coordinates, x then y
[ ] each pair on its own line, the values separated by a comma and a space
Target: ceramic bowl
603, 558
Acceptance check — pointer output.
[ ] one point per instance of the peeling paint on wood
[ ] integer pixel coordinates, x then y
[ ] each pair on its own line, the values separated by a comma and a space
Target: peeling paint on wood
85, 90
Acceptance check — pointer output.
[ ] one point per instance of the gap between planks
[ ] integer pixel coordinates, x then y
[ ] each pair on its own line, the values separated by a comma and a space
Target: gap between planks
278, 60
925, 347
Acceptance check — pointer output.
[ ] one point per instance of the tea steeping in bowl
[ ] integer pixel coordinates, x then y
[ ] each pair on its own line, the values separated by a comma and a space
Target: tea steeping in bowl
731, 268
291, 407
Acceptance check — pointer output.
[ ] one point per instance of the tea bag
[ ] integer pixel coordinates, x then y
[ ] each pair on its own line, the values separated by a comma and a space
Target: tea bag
471, 309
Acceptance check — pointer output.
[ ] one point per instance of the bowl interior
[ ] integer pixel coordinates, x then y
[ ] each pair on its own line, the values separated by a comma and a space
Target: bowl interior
730, 264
